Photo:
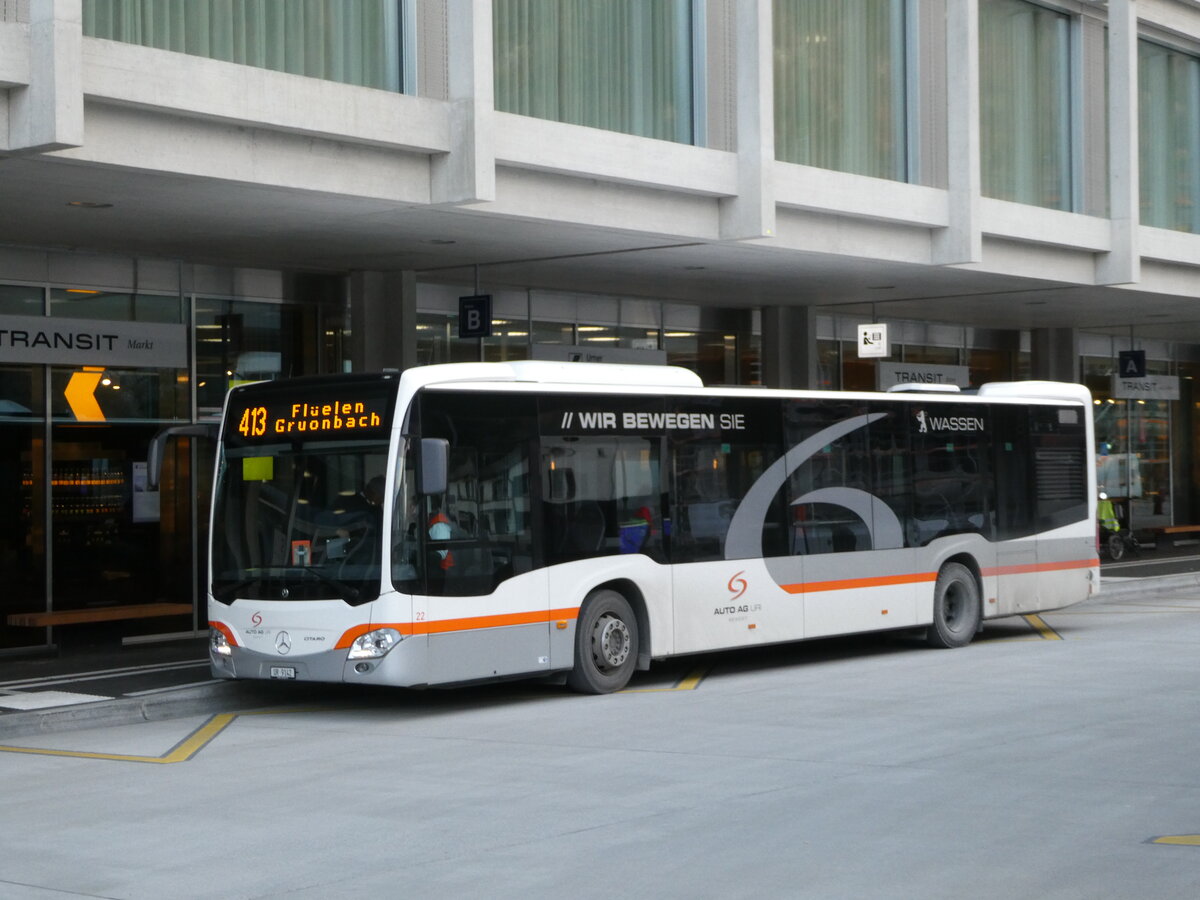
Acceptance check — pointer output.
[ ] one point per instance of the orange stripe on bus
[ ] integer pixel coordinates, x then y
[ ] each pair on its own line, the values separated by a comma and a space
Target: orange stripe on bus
471, 623
1026, 568
851, 583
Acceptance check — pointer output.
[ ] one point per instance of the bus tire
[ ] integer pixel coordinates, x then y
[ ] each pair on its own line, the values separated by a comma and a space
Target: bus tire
955, 608
606, 644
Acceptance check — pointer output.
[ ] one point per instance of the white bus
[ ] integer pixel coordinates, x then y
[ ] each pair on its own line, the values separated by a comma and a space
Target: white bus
477, 521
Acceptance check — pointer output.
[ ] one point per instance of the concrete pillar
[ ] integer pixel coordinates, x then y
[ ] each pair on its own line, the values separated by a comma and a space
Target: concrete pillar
1122, 264
383, 320
467, 174
789, 347
47, 113
1054, 354
751, 213
962, 240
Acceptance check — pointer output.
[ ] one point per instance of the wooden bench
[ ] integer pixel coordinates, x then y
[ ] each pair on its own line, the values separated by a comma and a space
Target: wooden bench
1177, 529
98, 614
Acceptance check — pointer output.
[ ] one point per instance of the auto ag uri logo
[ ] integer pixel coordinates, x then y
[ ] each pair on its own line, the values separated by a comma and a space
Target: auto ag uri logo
737, 585
256, 619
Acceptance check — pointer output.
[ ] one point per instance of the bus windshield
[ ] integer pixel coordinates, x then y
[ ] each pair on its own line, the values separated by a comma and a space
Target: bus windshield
297, 512
299, 522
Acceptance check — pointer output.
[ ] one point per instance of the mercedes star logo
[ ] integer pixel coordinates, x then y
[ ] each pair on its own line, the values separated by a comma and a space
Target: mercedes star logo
283, 643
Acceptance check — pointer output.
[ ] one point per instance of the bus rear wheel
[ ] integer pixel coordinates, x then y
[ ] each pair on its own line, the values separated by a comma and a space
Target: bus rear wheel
606, 644
955, 608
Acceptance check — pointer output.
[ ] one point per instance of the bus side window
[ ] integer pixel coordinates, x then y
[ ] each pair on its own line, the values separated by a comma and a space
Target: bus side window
480, 531
602, 495
829, 495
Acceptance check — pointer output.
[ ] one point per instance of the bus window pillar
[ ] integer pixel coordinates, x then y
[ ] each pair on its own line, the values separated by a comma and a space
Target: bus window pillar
789, 347
383, 320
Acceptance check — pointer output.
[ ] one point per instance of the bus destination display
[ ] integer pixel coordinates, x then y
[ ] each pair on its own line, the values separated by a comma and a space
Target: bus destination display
266, 419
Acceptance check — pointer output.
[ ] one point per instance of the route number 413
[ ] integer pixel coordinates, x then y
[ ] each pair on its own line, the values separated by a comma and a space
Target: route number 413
254, 422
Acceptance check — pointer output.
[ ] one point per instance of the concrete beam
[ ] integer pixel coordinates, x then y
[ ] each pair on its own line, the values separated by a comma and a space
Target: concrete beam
1122, 264
467, 174
47, 113
789, 347
388, 301
962, 241
751, 212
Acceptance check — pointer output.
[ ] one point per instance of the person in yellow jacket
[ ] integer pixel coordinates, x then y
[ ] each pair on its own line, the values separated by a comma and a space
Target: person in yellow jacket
1106, 514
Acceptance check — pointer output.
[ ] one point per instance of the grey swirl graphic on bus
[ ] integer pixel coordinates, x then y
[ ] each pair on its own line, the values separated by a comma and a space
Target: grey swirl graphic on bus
744, 538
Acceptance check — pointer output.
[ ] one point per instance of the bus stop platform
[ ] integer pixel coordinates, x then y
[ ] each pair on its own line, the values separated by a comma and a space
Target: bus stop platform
104, 686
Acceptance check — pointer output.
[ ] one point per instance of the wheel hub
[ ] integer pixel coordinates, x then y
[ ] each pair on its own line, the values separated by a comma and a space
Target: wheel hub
613, 641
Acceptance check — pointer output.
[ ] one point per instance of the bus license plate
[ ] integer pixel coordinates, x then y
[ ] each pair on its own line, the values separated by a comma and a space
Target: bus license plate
283, 672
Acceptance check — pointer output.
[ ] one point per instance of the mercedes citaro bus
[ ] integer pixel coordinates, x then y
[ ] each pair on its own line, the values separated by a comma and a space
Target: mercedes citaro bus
477, 521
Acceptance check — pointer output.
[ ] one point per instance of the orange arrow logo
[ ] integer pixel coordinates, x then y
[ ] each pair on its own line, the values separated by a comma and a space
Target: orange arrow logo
81, 395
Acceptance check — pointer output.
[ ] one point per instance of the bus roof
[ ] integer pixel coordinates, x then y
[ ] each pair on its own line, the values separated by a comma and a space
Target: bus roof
565, 373
615, 377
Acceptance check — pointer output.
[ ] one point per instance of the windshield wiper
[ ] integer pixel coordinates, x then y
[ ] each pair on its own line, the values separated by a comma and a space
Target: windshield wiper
348, 593
226, 592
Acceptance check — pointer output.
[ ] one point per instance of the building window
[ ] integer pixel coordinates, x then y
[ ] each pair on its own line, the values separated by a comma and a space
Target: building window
239, 341
840, 74
620, 65
350, 41
1169, 113
1025, 103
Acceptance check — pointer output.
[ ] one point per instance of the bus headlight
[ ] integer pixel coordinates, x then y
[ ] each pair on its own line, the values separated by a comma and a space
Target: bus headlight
218, 643
375, 644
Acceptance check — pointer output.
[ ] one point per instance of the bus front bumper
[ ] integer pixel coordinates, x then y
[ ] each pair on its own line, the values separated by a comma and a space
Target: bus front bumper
404, 665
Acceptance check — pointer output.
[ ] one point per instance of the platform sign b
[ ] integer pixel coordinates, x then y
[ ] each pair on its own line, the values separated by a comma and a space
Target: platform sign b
475, 316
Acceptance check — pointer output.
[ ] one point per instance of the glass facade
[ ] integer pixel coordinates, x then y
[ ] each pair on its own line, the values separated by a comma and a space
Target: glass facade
620, 65
350, 41
1133, 446
1025, 103
840, 74
244, 340
1169, 109
108, 500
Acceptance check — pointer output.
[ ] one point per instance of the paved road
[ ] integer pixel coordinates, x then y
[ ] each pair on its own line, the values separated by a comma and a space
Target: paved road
1043, 761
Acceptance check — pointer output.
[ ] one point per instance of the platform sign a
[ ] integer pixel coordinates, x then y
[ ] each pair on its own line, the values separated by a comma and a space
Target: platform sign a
475, 316
1131, 363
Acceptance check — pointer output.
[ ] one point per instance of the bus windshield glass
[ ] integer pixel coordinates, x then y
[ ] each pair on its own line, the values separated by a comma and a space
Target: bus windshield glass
298, 511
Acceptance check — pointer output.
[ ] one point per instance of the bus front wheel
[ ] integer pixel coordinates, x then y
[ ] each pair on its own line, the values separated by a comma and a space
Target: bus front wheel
606, 644
955, 608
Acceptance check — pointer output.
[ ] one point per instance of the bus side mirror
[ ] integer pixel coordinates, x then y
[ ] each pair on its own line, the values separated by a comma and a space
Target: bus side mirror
435, 465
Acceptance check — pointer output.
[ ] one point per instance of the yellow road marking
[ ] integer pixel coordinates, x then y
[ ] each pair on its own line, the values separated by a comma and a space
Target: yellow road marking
1185, 840
181, 752
1039, 625
688, 682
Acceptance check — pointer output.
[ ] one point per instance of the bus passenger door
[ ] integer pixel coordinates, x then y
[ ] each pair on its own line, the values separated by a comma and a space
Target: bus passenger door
1015, 585
487, 603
